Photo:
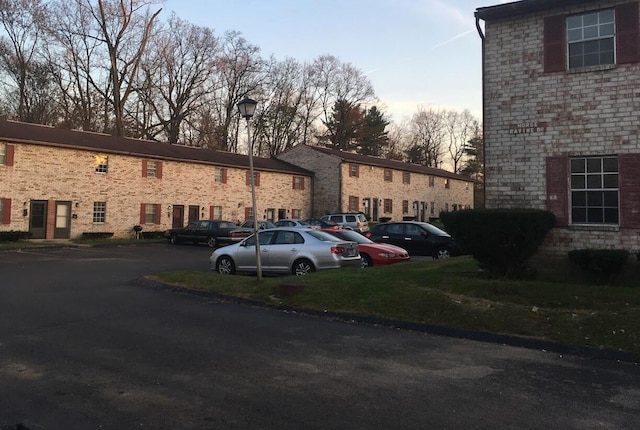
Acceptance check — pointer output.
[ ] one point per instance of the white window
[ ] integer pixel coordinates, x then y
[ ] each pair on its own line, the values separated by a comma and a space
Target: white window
149, 214
220, 175
99, 212
152, 169
594, 190
102, 163
217, 212
591, 39
3, 153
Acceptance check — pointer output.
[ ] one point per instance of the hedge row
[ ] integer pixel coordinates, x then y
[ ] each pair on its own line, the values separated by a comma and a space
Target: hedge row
14, 235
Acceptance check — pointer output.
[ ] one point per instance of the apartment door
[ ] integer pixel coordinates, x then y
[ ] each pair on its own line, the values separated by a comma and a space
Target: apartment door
38, 219
194, 213
177, 218
62, 228
374, 205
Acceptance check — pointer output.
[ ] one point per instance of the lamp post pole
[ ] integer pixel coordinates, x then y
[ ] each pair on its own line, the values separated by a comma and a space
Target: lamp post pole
247, 108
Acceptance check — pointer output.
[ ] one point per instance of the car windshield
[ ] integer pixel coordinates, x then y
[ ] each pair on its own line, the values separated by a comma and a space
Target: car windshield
324, 236
353, 236
433, 229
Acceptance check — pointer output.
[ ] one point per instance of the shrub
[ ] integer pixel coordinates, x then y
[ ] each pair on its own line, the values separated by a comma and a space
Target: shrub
501, 240
96, 235
603, 264
14, 235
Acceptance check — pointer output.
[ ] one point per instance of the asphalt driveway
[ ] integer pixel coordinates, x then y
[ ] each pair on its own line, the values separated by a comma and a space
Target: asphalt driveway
83, 345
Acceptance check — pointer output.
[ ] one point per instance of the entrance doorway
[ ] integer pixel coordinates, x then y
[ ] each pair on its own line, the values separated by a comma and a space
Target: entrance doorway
194, 213
38, 219
62, 228
177, 218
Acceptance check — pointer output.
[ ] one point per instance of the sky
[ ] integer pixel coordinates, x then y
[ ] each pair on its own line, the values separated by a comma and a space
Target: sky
417, 54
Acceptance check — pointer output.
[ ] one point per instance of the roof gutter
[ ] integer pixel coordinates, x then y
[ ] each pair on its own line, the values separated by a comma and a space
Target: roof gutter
484, 111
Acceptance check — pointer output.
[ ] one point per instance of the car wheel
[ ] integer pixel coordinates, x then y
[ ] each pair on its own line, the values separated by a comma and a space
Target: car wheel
442, 253
303, 267
365, 261
211, 241
225, 266
173, 239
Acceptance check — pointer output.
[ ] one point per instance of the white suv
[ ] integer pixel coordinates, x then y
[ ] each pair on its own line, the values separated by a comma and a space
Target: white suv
354, 221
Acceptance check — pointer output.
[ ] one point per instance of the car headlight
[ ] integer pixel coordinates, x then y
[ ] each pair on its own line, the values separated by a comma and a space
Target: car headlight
386, 254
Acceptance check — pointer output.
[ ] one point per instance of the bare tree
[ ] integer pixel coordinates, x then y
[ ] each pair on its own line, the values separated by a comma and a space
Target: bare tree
22, 21
428, 134
76, 65
177, 78
460, 127
336, 81
124, 27
280, 123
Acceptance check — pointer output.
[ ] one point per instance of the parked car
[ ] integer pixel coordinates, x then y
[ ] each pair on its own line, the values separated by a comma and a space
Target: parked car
418, 238
322, 224
291, 223
201, 231
371, 253
246, 229
355, 221
286, 250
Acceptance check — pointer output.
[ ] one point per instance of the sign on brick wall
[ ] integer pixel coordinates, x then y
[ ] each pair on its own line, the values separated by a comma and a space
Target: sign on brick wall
528, 127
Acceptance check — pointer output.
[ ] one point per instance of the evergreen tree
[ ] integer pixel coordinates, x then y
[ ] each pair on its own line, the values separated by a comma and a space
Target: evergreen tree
343, 126
372, 136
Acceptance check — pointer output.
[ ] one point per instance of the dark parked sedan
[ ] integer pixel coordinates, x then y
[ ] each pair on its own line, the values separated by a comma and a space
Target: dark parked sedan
418, 238
245, 230
202, 231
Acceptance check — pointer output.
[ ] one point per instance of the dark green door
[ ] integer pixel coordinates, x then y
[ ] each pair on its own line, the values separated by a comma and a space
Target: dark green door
38, 219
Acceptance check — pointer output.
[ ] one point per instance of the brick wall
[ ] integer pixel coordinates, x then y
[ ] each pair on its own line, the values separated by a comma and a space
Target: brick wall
334, 186
531, 115
56, 174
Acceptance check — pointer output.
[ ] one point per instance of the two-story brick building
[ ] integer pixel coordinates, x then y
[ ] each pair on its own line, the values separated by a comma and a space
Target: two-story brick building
379, 187
561, 82
59, 183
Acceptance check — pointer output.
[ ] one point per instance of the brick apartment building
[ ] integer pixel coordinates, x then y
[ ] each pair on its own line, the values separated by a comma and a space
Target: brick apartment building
60, 183
381, 188
561, 81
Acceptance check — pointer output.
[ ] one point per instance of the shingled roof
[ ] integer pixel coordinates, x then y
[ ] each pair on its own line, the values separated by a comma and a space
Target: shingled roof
368, 160
20, 132
523, 7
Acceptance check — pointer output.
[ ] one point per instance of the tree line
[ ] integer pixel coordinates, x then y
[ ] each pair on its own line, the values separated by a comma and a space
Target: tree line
119, 67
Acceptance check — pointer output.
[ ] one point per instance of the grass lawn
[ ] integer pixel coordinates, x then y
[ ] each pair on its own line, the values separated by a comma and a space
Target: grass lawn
555, 304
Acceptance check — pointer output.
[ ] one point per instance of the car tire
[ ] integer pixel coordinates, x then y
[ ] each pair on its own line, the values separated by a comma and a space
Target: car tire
225, 266
365, 261
211, 241
173, 239
302, 267
442, 253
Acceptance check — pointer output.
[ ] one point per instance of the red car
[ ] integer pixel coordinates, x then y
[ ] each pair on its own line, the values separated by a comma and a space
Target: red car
372, 253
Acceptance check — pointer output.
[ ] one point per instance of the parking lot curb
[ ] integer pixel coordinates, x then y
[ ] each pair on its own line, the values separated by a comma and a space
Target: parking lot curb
480, 336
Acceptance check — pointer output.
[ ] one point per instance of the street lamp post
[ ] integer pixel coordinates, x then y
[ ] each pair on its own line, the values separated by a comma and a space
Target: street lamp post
247, 108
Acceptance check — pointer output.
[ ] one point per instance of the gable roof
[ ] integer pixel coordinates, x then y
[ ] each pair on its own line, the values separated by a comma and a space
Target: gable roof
523, 7
20, 132
369, 160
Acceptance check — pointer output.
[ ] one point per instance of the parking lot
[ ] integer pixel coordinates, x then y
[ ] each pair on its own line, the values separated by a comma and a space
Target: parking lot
84, 345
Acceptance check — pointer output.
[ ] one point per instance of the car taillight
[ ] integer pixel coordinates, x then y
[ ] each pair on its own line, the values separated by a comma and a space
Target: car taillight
337, 250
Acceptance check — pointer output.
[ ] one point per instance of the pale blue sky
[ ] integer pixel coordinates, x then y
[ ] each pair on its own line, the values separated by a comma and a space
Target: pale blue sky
416, 53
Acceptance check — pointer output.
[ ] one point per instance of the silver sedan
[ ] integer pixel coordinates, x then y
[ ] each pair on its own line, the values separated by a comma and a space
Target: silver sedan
287, 251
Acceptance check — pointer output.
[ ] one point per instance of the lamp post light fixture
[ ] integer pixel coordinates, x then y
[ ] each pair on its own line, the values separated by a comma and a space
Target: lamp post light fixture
247, 108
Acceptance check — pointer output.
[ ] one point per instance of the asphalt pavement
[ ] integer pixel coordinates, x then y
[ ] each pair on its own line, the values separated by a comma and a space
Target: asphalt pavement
84, 345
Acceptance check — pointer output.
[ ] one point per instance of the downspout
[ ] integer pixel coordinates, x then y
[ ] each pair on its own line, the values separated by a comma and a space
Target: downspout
484, 152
